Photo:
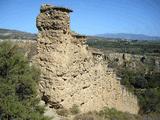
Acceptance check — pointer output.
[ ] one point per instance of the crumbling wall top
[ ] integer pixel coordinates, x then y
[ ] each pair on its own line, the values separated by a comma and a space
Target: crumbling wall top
79, 36
76, 35
47, 7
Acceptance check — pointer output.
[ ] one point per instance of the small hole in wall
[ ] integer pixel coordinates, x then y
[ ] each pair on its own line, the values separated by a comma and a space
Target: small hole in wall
40, 42
64, 31
85, 87
45, 98
62, 100
74, 76
82, 103
59, 75
64, 79
54, 89
76, 52
51, 106
105, 57
85, 59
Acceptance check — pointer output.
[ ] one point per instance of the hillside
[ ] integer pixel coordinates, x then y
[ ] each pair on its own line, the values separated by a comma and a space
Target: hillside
15, 34
128, 36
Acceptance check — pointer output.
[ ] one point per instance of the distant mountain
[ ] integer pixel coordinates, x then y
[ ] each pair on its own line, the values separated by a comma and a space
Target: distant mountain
15, 34
129, 36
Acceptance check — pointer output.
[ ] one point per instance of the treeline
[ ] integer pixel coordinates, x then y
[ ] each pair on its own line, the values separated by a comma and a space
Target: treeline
132, 47
145, 84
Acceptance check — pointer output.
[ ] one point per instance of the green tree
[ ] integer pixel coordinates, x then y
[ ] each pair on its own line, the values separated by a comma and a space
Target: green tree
18, 82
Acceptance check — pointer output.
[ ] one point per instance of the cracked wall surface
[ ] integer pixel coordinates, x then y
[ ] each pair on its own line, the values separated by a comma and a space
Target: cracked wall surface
70, 74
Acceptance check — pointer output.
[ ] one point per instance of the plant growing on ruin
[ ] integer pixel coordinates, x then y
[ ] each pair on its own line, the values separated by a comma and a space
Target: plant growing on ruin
74, 109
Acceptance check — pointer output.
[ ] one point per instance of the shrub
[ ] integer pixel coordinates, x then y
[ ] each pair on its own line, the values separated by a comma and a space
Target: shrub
113, 114
88, 116
62, 112
75, 109
18, 84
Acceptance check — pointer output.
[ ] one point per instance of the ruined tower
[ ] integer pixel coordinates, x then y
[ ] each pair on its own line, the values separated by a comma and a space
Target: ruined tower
69, 72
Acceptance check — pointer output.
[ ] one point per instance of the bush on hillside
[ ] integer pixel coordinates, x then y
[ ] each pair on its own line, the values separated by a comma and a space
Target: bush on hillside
18, 81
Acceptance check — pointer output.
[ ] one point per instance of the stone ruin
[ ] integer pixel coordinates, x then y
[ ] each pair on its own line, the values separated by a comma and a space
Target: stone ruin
70, 74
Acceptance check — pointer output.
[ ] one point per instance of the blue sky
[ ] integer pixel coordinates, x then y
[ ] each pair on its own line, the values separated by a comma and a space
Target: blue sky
89, 17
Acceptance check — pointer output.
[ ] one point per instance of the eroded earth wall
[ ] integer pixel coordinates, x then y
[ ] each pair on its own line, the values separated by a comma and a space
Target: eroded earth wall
70, 74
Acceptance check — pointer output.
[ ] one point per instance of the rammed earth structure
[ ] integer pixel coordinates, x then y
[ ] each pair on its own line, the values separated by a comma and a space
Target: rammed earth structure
70, 74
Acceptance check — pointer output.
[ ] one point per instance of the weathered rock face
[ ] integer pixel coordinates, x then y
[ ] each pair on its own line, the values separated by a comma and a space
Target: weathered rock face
70, 74
132, 61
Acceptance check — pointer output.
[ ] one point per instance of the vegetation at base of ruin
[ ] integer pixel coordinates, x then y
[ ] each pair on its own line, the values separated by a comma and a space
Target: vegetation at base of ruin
74, 109
107, 114
145, 84
104, 114
18, 81
144, 78
63, 112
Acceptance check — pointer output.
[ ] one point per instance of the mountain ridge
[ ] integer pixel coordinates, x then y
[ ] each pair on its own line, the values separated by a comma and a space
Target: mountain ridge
15, 34
129, 36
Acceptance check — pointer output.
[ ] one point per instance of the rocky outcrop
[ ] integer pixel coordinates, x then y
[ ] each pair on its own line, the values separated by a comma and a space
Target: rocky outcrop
131, 60
70, 74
